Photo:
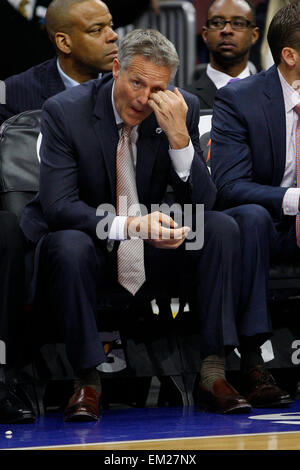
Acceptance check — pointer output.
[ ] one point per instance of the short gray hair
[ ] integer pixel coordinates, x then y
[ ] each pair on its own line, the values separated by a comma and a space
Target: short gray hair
152, 45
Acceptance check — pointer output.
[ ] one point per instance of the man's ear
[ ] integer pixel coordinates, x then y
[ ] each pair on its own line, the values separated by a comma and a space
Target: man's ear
289, 56
204, 33
116, 68
63, 42
255, 35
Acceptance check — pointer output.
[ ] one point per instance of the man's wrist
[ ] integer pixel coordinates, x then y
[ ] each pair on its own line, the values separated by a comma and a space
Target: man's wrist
179, 141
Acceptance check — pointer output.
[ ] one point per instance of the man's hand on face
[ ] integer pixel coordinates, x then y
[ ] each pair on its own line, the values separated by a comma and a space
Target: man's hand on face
170, 110
158, 229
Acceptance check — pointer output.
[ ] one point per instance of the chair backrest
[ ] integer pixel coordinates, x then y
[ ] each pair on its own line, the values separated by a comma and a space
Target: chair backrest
204, 132
177, 21
19, 164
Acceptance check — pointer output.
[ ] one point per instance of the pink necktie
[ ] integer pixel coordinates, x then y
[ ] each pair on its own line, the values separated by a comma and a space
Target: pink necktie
297, 110
233, 80
131, 270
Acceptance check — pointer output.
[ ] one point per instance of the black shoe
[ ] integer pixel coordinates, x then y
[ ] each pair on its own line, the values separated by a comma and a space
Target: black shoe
12, 408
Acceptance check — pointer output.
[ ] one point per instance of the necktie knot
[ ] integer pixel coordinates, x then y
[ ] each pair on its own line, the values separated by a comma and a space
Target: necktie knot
131, 270
126, 131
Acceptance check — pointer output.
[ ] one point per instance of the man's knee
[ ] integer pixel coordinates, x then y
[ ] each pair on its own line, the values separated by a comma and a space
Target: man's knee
252, 218
251, 214
70, 247
222, 227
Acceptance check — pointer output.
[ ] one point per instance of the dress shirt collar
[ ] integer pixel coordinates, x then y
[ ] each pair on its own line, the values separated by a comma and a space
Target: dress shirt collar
68, 81
221, 79
290, 95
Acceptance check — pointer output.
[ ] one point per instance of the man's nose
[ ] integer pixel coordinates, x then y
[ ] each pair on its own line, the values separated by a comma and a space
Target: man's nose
144, 96
112, 36
227, 28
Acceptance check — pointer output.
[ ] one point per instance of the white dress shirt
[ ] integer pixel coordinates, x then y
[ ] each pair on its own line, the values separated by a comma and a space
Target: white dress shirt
291, 97
181, 160
68, 81
221, 79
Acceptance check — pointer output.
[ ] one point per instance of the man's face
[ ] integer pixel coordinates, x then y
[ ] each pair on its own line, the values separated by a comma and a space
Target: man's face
228, 45
134, 85
93, 41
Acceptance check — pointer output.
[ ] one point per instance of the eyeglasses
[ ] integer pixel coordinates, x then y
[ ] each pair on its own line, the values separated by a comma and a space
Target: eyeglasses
237, 24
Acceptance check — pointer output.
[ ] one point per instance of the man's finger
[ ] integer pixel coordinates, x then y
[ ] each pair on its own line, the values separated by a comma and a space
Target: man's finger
167, 220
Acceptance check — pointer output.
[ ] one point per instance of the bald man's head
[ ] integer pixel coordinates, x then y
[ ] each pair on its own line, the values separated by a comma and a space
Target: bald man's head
82, 33
59, 18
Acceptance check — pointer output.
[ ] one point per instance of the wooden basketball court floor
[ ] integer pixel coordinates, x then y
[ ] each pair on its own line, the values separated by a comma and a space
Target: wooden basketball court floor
158, 429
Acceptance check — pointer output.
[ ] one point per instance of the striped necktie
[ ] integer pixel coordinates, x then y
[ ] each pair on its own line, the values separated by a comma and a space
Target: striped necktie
131, 270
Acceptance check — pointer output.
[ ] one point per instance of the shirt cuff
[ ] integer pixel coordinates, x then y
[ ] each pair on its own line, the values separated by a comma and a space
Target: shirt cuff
290, 203
182, 160
117, 229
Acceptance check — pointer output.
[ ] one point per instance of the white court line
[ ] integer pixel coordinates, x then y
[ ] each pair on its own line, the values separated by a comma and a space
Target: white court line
221, 436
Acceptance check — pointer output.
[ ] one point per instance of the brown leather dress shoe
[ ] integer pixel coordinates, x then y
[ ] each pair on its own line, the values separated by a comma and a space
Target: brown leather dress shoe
261, 390
84, 405
223, 399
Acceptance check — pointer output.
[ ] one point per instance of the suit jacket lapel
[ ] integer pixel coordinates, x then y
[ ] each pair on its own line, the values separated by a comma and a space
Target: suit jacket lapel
53, 83
106, 130
274, 109
150, 136
206, 88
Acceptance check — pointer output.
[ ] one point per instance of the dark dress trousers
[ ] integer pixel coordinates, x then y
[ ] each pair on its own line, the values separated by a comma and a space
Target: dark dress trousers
248, 154
30, 89
78, 174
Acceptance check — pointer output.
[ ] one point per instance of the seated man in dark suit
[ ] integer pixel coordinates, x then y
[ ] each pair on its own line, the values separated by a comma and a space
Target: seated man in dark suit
12, 279
109, 149
229, 33
255, 149
30, 42
82, 34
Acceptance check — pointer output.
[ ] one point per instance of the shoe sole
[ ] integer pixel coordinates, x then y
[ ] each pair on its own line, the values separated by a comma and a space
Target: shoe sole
80, 417
235, 410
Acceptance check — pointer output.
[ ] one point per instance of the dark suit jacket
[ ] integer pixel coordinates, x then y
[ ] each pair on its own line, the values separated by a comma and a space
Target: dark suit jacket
30, 89
78, 163
205, 89
24, 42
248, 149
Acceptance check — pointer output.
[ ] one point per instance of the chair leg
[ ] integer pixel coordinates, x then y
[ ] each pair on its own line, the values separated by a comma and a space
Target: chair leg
185, 384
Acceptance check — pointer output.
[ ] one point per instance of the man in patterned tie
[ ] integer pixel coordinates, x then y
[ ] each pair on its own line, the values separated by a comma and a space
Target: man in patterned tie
109, 150
255, 152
